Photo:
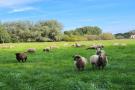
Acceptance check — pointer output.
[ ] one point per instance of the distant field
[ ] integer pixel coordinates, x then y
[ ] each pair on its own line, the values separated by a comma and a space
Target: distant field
55, 70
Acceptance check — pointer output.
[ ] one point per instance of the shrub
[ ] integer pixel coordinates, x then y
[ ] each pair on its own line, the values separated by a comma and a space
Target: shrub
106, 36
119, 37
74, 38
92, 37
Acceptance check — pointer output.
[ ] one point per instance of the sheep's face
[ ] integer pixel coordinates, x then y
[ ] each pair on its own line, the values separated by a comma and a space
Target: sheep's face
76, 57
98, 52
17, 54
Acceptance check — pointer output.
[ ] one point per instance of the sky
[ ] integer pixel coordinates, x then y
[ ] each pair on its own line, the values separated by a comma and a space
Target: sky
113, 16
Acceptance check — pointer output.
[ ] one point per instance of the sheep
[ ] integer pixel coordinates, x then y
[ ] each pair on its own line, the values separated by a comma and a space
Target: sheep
95, 47
21, 57
76, 45
100, 60
31, 50
54, 47
99, 50
80, 62
46, 49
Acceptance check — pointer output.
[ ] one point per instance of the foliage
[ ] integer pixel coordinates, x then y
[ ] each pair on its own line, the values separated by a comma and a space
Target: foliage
87, 30
106, 36
26, 31
74, 38
92, 37
4, 36
125, 35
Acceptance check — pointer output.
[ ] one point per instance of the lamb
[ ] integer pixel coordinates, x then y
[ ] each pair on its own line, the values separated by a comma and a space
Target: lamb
76, 45
31, 50
21, 57
80, 62
99, 61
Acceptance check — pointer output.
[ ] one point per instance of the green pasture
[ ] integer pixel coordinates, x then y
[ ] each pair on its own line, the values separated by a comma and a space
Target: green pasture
55, 70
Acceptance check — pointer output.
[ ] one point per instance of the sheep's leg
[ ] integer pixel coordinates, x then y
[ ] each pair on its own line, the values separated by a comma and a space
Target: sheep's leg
25, 59
22, 60
79, 69
18, 60
93, 66
98, 67
82, 68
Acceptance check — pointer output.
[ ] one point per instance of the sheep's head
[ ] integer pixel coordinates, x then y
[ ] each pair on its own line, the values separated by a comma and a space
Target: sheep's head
98, 52
17, 54
76, 57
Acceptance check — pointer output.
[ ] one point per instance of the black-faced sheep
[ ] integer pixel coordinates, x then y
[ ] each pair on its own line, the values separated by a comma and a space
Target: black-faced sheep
31, 50
99, 61
21, 57
80, 62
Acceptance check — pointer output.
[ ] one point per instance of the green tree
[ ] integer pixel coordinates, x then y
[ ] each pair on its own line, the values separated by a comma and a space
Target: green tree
50, 28
106, 36
4, 36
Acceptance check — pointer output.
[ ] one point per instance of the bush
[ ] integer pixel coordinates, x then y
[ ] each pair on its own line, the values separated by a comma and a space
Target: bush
119, 37
43, 39
4, 35
92, 37
74, 38
106, 36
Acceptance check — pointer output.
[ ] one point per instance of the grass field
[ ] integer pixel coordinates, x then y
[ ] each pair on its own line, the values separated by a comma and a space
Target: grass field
55, 70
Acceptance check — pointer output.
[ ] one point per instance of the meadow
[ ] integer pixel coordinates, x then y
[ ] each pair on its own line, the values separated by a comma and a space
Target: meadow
55, 70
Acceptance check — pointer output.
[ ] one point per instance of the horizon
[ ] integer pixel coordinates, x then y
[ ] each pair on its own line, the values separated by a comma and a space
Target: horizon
110, 15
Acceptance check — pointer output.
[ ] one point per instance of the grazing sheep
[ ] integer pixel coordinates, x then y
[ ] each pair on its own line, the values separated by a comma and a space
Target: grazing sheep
31, 50
76, 45
116, 44
54, 47
21, 57
95, 47
123, 44
46, 49
80, 62
99, 60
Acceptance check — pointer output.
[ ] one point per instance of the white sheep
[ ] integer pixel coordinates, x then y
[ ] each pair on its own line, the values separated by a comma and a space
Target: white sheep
31, 50
99, 60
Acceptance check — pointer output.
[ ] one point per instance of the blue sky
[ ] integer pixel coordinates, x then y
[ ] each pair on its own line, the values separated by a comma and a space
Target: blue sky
111, 15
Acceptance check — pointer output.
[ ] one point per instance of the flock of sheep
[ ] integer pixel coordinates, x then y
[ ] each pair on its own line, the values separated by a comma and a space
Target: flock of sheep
99, 60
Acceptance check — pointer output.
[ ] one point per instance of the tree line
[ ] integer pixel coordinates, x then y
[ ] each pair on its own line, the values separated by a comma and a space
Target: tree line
47, 30
125, 35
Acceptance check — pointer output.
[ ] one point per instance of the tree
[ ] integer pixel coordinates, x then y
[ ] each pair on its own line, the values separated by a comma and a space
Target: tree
50, 28
4, 36
106, 36
87, 30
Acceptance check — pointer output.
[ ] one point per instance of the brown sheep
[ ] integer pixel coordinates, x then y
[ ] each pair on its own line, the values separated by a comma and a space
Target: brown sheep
79, 62
21, 57
31, 50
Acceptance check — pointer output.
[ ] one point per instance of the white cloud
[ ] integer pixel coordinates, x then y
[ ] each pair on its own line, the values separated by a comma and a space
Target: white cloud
16, 3
22, 9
